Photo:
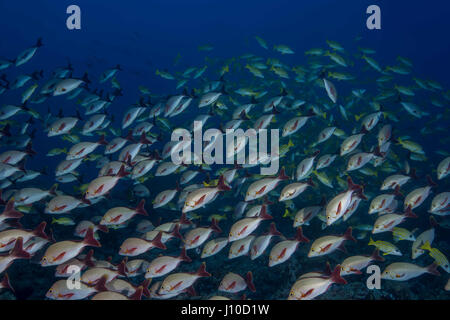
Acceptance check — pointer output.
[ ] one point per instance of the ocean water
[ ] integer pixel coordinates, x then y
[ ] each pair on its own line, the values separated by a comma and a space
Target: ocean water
143, 37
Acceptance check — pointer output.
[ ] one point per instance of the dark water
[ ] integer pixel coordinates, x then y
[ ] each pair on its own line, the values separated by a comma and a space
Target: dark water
145, 37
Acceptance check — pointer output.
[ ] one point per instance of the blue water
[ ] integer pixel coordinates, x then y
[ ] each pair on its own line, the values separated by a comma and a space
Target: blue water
145, 36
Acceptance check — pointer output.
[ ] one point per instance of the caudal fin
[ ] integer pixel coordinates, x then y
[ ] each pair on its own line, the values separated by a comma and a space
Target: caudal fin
409, 213
201, 272
18, 252
122, 267
144, 139
351, 185
140, 209
122, 173
273, 230
89, 239
221, 185
336, 275
263, 214
397, 191
6, 284
215, 227
184, 220
348, 234
430, 181
282, 175
100, 286
158, 243
183, 256
249, 281
102, 140
310, 182
433, 222
10, 212
432, 268
176, 232
88, 259
300, 237
376, 255
40, 230
145, 286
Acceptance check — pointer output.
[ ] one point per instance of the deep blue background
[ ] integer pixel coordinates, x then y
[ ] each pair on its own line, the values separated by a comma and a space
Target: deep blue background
142, 36
145, 35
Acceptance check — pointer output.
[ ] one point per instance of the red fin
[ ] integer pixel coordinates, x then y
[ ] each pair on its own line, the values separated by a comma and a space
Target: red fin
222, 186
376, 255
328, 270
90, 240
85, 201
299, 235
129, 136
6, 284
157, 242
102, 228
40, 230
88, 259
352, 185
409, 213
273, 230
29, 150
102, 140
145, 284
52, 190
430, 181
144, 139
201, 272
191, 291
176, 232
137, 295
184, 220
215, 227
336, 275
359, 193
122, 268
140, 209
18, 251
100, 286
432, 268
263, 214
310, 182
10, 212
316, 153
397, 192
122, 173
282, 175
348, 234
249, 281
183, 256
